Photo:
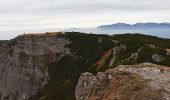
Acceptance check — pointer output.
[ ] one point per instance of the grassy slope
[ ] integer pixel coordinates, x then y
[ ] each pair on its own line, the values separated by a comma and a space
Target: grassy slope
87, 50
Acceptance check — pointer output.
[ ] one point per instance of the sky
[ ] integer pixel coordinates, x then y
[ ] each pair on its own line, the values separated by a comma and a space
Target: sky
42, 15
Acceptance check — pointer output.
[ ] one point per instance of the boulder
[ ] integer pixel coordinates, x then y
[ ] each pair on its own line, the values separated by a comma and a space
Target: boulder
158, 58
126, 82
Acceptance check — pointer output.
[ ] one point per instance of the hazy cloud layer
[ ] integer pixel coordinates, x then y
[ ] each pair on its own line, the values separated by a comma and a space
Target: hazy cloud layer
29, 15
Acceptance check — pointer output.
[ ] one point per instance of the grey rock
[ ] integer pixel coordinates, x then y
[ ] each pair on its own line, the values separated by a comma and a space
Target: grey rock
126, 82
24, 63
158, 58
168, 52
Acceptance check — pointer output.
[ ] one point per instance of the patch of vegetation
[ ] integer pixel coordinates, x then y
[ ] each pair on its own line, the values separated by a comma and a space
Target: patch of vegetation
134, 42
145, 54
2, 41
86, 45
64, 75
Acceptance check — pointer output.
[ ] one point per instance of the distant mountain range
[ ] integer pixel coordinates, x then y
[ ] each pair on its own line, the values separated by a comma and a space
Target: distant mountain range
137, 25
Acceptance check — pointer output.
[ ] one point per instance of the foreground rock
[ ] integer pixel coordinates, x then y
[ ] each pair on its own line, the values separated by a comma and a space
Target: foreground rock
126, 82
24, 63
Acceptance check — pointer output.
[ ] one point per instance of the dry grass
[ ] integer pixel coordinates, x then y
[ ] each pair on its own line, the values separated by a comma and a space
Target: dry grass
126, 86
102, 61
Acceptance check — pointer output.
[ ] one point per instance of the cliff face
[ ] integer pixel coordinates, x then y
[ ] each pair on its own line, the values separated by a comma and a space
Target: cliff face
24, 63
126, 82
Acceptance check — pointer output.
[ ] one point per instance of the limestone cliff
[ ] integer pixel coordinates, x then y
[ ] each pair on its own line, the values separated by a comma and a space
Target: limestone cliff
126, 82
24, 63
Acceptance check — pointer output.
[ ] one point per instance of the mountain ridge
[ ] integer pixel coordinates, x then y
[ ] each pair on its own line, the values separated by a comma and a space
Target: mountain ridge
136, 25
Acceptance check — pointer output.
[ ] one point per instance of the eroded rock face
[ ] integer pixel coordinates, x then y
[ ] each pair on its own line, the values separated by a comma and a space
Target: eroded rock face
24, 63
127, 82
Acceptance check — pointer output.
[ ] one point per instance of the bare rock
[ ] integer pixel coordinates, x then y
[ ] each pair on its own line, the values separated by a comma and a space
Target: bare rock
168, 52
158, 58
126, 82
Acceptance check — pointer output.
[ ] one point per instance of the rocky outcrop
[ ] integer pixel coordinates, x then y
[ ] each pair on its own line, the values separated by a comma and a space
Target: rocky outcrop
24, 63
167, 51
158, 58
126, 82
116, 50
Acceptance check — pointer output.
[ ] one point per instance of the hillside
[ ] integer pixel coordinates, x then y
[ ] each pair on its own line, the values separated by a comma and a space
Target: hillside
47, 66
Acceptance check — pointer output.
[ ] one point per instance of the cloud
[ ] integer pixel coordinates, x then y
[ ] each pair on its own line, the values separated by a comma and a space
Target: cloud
74, 6
38, 14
